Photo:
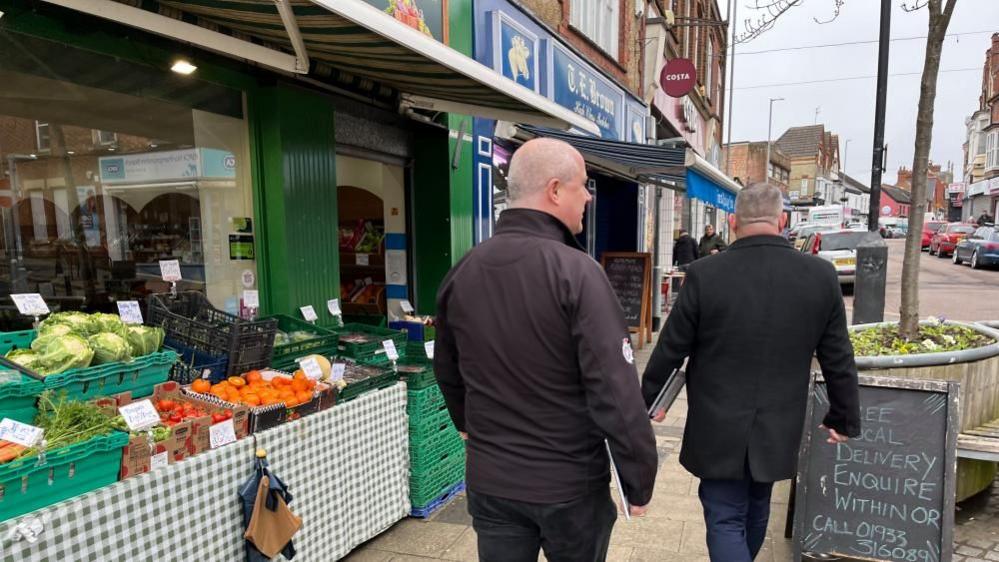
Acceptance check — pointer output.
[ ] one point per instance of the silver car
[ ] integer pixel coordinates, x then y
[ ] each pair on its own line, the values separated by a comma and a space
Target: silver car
838, 247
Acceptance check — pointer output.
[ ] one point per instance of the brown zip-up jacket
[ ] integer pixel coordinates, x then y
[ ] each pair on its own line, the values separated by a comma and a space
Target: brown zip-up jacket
534, 359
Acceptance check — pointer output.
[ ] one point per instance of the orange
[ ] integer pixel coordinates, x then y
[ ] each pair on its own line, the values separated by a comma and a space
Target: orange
299, 385
253, 376
220, 394
303, 397
201, 386
251, 400
236, 381
299, 375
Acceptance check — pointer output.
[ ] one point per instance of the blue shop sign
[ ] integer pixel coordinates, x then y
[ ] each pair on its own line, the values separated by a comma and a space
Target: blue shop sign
516, 49
573, 85
702, 188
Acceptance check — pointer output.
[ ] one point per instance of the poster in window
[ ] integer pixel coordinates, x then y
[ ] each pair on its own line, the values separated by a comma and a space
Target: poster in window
90, 218
426, 16
241, 247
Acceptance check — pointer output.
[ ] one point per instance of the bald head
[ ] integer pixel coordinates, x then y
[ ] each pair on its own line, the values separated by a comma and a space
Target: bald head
759, 203
538, 162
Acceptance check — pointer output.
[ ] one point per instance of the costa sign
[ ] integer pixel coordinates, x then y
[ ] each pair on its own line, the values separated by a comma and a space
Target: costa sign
678, 77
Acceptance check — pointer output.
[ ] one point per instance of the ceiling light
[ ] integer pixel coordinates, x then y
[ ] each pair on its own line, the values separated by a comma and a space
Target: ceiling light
111, 149
183, 67
71, 152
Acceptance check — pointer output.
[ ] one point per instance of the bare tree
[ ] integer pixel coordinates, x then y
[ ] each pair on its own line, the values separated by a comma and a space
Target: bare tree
939, 20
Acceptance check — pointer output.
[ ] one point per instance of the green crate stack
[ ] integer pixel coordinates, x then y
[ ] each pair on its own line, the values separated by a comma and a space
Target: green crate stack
369, 350
436, 450
18, 398
323, 342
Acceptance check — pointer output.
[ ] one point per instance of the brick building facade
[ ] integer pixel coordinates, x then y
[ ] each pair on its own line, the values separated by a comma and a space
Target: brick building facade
746, 163
814, 155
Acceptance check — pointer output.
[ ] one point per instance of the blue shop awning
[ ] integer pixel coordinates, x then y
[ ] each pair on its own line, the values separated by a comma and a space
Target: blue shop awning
708, 184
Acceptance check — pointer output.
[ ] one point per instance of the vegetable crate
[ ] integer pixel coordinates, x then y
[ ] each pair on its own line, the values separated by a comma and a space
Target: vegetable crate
137, 376
364, 378
416, 331
435, 505
137, 455
414, 369
316, 340
18, 399
201, 440
426, 428
27, 484
191, 320
16, 340
361, 341
428, 485
428, 452
193, 364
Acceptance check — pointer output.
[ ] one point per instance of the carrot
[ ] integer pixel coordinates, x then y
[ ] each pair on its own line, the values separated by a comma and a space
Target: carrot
8, 454
5, 443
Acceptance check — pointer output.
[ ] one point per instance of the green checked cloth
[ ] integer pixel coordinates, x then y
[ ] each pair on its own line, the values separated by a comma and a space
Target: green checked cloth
347, 468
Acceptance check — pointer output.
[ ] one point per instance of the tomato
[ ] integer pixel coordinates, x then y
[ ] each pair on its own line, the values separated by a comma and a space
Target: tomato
176, 418
216, 418
165, 405
228, 414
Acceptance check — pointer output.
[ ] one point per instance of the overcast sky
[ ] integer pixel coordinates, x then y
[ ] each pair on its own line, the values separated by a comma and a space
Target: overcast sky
847, 107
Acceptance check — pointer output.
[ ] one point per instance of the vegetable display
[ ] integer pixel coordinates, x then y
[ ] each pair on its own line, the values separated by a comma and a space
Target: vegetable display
109, 347
65, 423
173, 412
284, 338
251, 389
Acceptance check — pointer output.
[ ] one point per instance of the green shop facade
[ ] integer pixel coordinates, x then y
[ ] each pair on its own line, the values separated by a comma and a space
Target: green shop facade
314, 152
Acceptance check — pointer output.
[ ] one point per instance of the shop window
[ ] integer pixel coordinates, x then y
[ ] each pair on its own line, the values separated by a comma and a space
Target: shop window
992, 150
42, 141
709, 66
598, 20
89, 228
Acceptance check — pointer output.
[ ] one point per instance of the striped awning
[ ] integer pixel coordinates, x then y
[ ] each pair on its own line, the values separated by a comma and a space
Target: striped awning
355, 37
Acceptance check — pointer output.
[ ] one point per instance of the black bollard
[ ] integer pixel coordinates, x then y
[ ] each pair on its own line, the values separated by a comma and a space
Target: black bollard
869, 288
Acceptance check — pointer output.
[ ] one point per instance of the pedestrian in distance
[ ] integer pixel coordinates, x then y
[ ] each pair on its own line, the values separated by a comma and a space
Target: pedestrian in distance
749, 322
534, 359
985, 219
711, 242
685, 250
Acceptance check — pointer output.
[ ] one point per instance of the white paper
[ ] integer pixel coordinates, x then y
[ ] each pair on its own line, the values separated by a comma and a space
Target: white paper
395, 267
159, 460
20, 433
309, 313
170, 270
130, 312
139, 415
311, 368
251, 298
428, 347
362, 259
222, 433
337, 372
30, 304
333, 305
390, 350
407, 307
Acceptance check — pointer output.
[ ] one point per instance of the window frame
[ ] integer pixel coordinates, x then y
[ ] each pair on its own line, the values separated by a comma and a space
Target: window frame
38, 136
99, 140
606, 37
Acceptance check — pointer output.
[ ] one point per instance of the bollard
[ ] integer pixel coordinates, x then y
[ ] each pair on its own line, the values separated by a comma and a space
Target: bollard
869, 287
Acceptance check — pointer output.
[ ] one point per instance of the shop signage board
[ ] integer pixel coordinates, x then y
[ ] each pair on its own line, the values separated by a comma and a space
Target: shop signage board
167, 165
574, 85
426, 16
630, 274
516, 52
888, 494
678, 77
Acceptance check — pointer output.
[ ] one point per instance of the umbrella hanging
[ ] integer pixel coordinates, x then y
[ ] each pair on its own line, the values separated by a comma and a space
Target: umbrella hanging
269, 522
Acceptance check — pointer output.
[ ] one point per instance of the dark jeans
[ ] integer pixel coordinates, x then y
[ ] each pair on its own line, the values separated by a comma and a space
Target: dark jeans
736, 514
513, 531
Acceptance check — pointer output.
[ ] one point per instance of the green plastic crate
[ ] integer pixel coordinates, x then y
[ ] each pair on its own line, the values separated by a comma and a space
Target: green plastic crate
413, 367
355, 389
137, 376
324, 343
372, 349
18, 400
16, 340
424, 403
26, 485
425, 487
424, 429
427, 453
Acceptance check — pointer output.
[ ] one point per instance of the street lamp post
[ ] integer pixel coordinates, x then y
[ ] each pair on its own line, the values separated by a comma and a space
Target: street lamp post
770, 125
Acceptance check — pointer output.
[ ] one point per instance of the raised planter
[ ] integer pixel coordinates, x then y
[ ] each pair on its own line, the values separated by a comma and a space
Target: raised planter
978, 372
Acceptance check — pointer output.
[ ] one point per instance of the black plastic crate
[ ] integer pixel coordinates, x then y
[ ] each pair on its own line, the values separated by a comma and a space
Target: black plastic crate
194, 364
188, 318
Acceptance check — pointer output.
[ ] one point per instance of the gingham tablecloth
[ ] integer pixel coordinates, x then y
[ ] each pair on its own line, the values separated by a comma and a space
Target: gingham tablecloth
347, 468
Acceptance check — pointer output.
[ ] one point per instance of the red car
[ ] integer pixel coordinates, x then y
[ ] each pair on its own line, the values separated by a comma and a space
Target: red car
947, 237
929, 229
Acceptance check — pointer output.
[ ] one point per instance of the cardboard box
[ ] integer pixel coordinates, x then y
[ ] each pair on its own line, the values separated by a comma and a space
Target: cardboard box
137, 455
200, 440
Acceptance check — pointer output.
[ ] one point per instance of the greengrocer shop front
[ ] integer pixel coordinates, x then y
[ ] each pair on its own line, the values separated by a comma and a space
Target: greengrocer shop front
281, 156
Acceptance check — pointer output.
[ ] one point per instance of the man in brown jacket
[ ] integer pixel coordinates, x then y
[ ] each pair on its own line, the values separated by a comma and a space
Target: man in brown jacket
534, 359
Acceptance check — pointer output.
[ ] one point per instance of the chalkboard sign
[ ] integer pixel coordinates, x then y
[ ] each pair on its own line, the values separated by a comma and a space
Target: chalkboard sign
888, 494
630, 275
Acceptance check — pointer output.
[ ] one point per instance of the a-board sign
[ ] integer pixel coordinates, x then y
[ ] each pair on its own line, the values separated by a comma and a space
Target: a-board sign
630, 274
888, 494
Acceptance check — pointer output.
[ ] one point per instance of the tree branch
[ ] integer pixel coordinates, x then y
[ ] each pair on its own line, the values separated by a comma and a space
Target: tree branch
773, 9
838, 5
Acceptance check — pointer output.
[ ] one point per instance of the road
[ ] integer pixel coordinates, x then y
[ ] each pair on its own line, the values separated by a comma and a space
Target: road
955, 292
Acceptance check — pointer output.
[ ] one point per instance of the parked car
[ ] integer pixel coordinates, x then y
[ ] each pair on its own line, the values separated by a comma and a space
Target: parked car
945, 240
929, 229
857, 226
806, 231
838, 247
980, 248
895, 231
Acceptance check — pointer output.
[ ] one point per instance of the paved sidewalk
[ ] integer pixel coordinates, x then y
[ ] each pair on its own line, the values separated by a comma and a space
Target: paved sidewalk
673, 531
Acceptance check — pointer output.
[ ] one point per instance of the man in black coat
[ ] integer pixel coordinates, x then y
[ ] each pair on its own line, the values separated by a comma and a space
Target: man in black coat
684, 249
749, 321
711, 242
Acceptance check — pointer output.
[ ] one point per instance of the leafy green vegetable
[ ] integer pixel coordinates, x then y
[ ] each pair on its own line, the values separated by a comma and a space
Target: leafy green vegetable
932, 338
64, 353
54, 329
80, 322
25, 358
109, 347
143, 340
67, 422
109, 323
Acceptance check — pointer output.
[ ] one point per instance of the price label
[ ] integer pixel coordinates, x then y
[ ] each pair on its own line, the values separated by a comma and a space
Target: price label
407, 307
20, 433
333, 305
362, 259
139, 415
221, 433
337, 371
251, 298
159, 460
130, 312
30, 304
311, 368
170, 270
309, 313
390, 350
428, 347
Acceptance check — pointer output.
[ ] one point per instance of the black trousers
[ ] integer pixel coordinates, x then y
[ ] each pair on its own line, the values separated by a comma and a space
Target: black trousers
512, 531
